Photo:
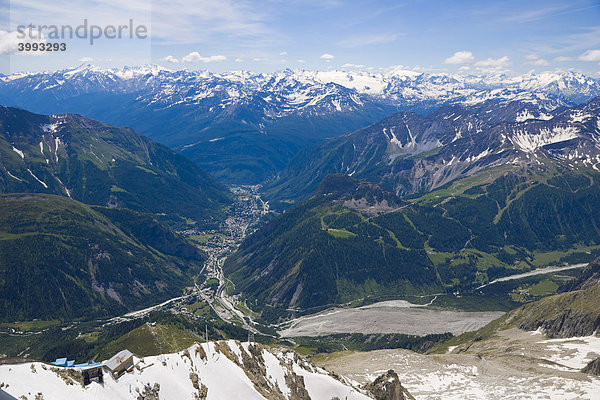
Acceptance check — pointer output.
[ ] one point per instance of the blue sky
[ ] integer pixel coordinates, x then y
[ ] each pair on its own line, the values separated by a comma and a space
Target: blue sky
262, 36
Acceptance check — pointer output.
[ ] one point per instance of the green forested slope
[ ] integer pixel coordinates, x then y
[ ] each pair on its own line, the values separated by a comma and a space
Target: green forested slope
333, 249
62, 259
99, 164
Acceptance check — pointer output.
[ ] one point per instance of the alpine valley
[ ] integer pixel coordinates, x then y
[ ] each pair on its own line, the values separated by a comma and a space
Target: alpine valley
61, 258
299, 234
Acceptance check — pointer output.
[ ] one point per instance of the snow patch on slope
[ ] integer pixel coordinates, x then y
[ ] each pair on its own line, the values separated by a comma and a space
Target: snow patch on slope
14, 177
37, 179
531, 142
526, 115
56, 147
19, 152
50, 128
574, 352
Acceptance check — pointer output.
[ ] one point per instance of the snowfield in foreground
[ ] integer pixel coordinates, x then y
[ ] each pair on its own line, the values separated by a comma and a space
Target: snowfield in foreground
214, 370
514, 365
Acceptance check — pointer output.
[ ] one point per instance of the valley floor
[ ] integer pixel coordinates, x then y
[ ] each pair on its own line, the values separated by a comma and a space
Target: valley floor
513, 365
388, 317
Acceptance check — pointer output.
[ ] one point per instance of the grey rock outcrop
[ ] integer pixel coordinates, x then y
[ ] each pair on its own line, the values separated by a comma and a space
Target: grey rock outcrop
388, 387
593, 367
587, 278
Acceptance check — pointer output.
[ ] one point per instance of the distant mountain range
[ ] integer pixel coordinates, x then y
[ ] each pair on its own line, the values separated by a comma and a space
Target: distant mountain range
244, 127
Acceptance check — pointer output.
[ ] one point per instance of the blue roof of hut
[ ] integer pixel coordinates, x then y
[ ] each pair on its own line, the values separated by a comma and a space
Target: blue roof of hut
88, 365
63, 362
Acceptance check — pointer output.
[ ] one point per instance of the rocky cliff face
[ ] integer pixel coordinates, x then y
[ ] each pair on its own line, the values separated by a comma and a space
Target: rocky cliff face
586, 279
574, 312
593, 368
564, 315
388, 387
566, 324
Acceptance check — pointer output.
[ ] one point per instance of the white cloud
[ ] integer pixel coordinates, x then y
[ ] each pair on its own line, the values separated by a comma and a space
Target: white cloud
301, 61
9, 42
168, 21
196, 57
460, 57
86, 59
563, 58
522, 15
464, 68
239, 59
590, 55
327, 56
369, 40
397, 67
259, 59
535, 59
587, 38
171, 59
494, 62
539, 61
283, 53
348, 65
418, 68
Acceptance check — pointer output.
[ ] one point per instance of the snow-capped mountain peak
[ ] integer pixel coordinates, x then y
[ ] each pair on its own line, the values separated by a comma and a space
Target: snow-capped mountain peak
396, 87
